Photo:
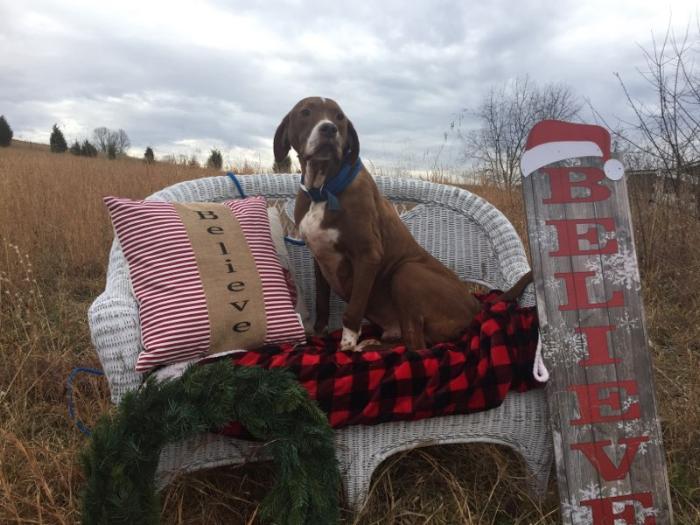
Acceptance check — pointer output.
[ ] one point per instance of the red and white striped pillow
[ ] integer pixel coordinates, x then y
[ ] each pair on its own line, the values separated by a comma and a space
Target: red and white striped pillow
166, 281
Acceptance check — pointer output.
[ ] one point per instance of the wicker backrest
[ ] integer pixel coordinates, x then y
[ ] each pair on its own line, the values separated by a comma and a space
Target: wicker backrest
459, 228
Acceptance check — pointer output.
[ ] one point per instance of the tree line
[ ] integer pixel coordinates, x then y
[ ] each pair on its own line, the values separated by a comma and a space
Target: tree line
111, 143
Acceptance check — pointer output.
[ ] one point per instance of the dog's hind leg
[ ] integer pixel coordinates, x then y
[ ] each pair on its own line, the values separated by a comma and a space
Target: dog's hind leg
404, 291
381, 312
412, 331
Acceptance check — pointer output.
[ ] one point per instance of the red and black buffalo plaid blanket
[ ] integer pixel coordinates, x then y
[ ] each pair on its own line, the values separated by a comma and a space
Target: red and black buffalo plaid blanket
475, 372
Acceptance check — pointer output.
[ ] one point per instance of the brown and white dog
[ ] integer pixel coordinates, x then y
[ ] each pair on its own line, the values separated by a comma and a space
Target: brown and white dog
362, 250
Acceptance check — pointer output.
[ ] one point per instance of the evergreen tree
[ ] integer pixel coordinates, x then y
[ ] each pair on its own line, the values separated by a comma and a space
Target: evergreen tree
215, 160
88, 150
111, 151
148, 156
5, 132
75, 148
57, 140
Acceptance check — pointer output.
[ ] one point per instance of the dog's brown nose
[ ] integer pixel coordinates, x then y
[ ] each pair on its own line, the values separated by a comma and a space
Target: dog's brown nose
328, 129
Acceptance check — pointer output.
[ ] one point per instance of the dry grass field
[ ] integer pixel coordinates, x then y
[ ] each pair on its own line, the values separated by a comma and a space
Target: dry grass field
54, 240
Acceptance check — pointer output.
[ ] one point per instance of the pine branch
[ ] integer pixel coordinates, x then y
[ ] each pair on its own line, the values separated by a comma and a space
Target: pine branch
121, 461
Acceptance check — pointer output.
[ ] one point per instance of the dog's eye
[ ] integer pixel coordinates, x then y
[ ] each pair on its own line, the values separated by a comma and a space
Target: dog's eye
305, 112
340, 116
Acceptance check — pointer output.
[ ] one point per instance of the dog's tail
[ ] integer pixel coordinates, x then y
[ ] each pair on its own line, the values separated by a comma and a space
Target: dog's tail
516, 290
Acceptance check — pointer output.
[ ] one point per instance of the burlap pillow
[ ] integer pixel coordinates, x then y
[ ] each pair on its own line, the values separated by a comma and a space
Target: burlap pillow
206, 277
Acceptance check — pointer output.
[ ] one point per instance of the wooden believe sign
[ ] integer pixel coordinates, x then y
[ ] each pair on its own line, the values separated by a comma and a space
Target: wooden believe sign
610, 460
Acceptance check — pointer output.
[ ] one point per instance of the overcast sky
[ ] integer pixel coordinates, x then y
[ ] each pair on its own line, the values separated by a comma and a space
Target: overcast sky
184, 77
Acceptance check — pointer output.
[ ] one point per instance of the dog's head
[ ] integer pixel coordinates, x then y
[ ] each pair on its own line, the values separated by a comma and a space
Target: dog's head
318, 130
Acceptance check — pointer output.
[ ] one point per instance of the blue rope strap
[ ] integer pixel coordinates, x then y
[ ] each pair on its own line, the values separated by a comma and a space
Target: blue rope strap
293, 241
232, 176
69, 396
235, 180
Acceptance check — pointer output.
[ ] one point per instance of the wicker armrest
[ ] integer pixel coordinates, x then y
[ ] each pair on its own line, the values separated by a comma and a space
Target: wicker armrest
114, 325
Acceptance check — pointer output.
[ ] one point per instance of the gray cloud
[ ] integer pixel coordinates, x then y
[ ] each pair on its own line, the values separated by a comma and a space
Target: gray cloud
222, 74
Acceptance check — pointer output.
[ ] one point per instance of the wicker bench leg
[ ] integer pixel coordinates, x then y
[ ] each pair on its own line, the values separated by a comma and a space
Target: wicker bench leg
538, 477
538, 454
356, 468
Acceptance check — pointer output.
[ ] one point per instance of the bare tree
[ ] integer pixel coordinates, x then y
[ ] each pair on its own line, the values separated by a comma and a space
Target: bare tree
121, 141
101, 136
111, 142
665, 132
506, 116
111, 151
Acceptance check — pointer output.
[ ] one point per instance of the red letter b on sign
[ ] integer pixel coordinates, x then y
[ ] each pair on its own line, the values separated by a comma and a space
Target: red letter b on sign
562, 185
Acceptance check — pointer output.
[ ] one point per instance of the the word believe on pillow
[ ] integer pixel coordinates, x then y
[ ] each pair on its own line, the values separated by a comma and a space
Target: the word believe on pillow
206, 277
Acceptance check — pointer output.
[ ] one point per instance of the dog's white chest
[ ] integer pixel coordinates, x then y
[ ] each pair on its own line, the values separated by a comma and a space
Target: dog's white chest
312, 232
321, 241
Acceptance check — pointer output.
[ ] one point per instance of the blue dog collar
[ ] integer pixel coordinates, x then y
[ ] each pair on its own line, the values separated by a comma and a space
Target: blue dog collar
332, 188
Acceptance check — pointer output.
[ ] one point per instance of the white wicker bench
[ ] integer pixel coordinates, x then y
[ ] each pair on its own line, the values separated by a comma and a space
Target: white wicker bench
462, 230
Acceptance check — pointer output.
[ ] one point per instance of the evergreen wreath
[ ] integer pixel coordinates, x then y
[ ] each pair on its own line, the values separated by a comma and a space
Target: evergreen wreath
122, 457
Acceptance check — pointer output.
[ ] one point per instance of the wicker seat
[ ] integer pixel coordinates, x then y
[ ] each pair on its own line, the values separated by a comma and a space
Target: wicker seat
462, 230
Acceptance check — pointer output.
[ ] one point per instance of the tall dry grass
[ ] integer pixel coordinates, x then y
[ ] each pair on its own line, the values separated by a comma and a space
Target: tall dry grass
54, 239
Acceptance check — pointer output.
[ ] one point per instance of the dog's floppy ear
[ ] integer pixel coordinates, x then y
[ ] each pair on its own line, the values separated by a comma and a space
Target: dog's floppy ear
281, 145
353, 144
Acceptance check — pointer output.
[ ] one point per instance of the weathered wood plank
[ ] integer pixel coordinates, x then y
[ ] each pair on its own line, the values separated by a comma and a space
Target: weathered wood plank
574, 470
610, 459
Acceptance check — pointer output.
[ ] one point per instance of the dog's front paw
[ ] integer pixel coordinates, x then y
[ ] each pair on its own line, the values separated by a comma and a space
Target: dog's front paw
349, 341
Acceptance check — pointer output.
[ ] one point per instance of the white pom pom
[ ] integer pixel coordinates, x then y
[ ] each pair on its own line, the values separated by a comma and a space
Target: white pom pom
614, 170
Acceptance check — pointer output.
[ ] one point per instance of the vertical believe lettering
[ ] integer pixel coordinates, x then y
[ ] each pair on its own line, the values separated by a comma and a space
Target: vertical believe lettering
235, 286
608, 401
231, 284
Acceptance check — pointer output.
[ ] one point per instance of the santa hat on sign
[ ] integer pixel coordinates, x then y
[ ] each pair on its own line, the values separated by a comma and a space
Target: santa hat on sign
553, 140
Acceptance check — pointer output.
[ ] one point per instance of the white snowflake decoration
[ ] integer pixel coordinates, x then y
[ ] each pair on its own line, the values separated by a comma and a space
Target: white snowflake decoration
552, 284
621, 269
639, 427
628, 323
546, 237
562, 347
593, 265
